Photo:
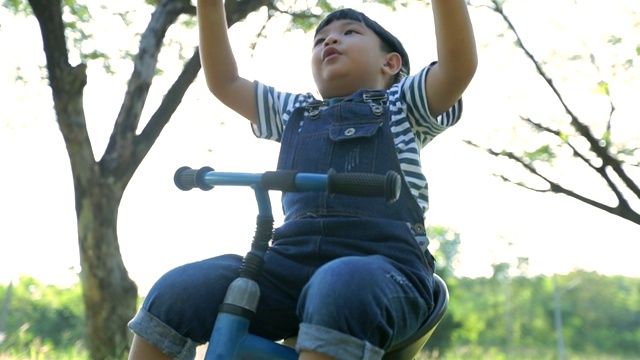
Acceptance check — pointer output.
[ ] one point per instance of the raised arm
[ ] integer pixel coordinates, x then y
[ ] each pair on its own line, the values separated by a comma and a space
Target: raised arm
457, 57
219, 64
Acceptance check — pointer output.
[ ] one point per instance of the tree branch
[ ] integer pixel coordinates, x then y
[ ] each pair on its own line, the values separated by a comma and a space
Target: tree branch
599, 147
67, 84
600, 170
168, 106
118, 154
601, 151
126, 150
622, 209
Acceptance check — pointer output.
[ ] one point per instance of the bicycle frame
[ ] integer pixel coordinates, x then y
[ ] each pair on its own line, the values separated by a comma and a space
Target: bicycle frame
230, 338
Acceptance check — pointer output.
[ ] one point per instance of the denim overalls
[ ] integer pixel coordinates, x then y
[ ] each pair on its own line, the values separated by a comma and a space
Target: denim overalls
372, 240
345, 273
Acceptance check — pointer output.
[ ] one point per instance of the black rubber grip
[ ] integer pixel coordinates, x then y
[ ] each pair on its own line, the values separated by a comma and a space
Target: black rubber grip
364, 184
187, 178
282, 180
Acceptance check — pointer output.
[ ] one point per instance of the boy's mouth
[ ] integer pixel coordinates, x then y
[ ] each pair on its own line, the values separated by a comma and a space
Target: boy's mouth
329, 52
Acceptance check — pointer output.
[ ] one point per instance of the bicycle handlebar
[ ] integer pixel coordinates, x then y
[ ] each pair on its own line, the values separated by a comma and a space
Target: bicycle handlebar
356, 184
230, 338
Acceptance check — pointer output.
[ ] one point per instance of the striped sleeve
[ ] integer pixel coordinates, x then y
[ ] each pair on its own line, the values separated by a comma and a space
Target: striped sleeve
426, 126
274, 109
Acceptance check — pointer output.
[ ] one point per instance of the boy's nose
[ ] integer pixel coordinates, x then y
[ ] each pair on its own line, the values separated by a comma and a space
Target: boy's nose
331, 39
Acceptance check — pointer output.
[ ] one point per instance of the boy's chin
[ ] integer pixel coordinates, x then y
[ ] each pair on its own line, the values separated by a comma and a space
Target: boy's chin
335, 86
335, 92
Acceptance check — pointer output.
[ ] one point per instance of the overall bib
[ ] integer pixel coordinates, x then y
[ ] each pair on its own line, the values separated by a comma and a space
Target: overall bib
357, 258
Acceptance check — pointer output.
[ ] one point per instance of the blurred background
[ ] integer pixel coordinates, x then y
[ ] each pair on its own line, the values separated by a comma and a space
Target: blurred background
535, 230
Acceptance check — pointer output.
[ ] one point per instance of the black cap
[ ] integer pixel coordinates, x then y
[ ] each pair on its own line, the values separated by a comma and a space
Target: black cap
387, 38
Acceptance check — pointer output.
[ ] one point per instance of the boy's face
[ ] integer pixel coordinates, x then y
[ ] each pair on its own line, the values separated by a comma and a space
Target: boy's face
347, 56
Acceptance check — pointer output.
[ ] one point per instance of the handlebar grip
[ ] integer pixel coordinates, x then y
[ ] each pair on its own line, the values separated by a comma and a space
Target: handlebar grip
187, 178
354, 184
365, 184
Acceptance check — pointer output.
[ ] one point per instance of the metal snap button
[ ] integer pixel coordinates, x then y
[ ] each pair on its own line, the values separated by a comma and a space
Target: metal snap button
350, 131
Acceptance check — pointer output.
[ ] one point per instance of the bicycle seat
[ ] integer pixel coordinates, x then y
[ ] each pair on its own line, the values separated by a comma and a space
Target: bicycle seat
409, 348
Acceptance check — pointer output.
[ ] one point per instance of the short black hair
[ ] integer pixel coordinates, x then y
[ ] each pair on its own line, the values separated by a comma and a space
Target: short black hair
391, 43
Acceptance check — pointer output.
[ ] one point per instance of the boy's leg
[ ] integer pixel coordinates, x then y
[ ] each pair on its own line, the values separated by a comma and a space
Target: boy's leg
313, 356
179, 311
142, 350
356, 307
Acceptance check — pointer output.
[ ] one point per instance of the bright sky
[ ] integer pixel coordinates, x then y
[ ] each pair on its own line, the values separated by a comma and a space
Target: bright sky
161, 227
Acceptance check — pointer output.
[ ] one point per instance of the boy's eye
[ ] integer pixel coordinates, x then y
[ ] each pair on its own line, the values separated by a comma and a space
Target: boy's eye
350, 31
318, 41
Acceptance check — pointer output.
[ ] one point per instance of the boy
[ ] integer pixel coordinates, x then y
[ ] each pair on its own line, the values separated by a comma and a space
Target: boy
350, 276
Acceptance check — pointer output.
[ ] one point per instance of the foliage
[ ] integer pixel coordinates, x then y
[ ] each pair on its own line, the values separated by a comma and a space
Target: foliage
306, 15
621, 298
601, 315
446, 242
17, 6
505, 316
42, 319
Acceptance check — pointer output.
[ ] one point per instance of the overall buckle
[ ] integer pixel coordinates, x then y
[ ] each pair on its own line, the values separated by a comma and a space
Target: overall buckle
376, 100
314, 108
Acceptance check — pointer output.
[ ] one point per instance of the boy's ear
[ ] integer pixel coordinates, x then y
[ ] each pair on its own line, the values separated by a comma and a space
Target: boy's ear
393, 63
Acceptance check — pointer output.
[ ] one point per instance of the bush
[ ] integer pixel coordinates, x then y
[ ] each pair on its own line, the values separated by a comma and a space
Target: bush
36, 319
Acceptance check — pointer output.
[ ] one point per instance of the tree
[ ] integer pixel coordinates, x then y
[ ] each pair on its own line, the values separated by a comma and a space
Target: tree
109, 294
599, 149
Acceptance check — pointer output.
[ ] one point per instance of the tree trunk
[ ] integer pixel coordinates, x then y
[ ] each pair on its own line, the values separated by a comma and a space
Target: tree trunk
110, 296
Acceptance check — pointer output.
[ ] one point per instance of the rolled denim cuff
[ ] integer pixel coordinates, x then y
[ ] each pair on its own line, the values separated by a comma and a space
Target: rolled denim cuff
335, 344
158, 334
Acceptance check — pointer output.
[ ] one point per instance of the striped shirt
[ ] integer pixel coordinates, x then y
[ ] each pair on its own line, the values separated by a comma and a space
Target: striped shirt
412, 126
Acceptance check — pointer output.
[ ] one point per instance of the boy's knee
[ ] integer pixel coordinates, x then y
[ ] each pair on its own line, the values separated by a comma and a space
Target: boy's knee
343, 294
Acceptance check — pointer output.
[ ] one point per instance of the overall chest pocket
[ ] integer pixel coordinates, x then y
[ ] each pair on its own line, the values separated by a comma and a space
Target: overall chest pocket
346, 132
354, 146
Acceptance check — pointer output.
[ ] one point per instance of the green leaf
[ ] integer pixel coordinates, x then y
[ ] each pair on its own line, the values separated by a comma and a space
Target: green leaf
564, 137
81, 12
95, 55
614, 40
603, 87
544, 153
